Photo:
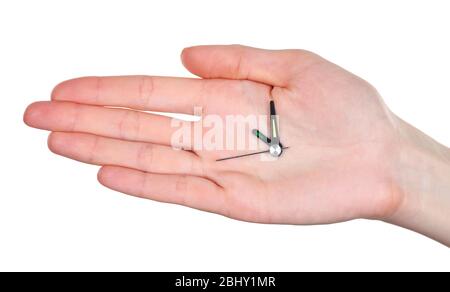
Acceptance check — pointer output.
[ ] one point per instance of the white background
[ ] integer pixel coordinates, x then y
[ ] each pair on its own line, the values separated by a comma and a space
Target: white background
55, 216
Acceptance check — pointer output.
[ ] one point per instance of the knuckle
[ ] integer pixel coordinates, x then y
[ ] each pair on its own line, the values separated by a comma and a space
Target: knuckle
98, 89
181, 185
93, 150
145, 157
146, 88
241, 69
129, 125
142, 190
76, 113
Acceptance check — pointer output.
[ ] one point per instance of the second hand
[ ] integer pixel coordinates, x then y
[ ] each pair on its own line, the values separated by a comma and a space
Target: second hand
248, 154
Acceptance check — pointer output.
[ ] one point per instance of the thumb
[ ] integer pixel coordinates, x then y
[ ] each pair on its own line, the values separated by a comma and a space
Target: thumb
272, 67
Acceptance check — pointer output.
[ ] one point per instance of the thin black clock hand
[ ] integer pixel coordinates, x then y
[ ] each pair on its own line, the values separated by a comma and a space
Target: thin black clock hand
247, 154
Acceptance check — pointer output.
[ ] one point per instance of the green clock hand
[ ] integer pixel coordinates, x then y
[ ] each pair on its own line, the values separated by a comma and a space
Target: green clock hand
263, 137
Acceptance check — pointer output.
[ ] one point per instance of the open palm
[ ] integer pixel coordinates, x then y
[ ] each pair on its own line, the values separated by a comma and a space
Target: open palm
340, 136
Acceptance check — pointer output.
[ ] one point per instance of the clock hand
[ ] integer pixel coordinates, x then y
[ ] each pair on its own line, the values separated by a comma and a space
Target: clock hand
275, 149
273, 123
263, 137
247, 154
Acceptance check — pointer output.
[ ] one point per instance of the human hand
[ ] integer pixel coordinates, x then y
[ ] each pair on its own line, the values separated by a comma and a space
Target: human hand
344, 158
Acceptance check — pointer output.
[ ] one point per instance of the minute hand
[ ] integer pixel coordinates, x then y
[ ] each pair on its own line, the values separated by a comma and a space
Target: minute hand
273, 125
274, 147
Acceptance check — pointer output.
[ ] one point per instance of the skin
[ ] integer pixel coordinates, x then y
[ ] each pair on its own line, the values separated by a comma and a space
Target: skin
349, 157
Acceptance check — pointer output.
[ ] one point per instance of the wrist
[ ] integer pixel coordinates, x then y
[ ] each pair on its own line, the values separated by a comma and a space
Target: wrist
422, 178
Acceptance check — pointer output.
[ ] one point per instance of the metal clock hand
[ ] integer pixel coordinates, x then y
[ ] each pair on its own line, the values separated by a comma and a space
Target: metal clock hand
274, 149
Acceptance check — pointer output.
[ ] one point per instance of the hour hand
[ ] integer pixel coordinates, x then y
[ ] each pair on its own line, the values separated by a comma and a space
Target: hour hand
263, 137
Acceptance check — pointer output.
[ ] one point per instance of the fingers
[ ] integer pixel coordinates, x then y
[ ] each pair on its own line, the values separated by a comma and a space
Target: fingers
142, 156
166, 94
240, 62
115, 123
191, 191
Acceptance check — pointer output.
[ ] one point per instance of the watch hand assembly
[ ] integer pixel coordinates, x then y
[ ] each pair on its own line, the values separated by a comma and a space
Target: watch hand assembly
275, 147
